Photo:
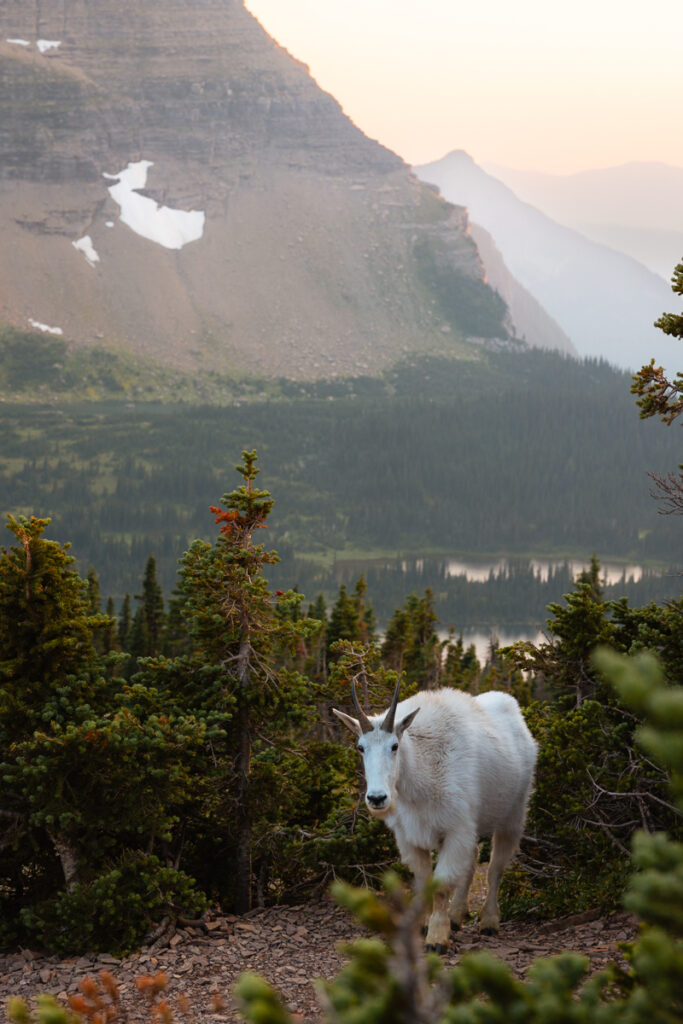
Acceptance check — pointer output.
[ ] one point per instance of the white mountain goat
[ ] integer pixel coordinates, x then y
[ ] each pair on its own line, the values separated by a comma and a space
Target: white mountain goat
460, 770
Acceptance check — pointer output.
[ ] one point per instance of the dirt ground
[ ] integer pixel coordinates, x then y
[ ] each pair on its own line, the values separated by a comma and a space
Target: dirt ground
290, 947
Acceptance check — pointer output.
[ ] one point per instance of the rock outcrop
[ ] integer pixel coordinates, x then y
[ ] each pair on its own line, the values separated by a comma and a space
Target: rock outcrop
310, 257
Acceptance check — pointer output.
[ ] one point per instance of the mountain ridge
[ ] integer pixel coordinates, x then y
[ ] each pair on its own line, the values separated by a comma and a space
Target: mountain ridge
605, 301
635, 208
311, 258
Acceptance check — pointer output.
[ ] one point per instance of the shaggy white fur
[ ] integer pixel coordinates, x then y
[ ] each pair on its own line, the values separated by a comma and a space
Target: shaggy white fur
452, 770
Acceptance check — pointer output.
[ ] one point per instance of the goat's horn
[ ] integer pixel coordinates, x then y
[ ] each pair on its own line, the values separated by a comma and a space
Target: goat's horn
388, 723
365, 723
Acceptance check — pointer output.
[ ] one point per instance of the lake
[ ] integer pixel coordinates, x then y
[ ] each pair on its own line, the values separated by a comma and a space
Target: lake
482, 638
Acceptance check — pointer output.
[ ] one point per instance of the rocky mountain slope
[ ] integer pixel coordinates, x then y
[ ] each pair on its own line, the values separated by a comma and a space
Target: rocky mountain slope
605, 301
530, 318
175, 185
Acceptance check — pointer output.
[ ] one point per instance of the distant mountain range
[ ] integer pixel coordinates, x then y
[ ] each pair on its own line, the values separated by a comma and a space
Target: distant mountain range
636, 208
175, 186
606, 302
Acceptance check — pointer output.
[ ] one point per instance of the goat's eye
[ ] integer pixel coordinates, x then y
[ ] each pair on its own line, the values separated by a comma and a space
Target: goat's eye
394, 746
361, 749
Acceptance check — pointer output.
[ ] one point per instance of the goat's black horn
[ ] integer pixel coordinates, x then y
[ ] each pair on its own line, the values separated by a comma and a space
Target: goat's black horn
365, 723
388, 723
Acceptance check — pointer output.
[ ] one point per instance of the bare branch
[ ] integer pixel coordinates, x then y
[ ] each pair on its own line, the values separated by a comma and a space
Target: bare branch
669, 490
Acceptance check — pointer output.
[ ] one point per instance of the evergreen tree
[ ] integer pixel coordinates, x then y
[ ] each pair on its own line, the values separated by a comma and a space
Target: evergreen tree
576, 629
109, 631
152, 611
236, 640
318, 612
351, 618
46, 629
591, 576
395, 640
411, 644
94, 596
86, 777
660, 396
124, 624
175, 633
461, 665
138, 641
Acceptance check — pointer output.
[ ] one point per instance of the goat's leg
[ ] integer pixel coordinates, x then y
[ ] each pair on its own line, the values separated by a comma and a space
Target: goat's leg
420, 863
503, 849
458, 908
454, 869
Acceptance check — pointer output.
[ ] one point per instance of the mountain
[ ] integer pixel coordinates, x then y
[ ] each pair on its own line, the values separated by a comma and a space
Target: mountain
636, 208
175, 186
531, 320
606, 302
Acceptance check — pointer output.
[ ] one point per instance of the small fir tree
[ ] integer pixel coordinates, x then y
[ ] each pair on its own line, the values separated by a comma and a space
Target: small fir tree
124, 624
236, 645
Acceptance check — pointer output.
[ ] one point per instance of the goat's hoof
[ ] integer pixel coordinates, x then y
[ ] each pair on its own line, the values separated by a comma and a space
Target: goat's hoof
490, 929
436, 947
455, 927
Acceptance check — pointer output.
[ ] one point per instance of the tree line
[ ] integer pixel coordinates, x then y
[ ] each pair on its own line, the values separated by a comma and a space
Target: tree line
516, 455
162, 760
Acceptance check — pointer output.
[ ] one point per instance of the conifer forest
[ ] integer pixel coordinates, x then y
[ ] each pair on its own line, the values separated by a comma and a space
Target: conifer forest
167, 742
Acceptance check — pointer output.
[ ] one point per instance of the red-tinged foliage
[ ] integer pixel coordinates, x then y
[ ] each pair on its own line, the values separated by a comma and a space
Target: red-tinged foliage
162, 1011
150, 985
231, 519
108, 983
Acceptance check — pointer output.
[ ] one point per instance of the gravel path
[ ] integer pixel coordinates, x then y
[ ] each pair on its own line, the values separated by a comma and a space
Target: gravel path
289, 946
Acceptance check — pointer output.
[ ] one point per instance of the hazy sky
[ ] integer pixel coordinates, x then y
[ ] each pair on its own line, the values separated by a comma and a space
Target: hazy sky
539, 84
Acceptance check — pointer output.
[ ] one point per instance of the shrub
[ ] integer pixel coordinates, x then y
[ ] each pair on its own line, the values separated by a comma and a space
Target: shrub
115, 911
388, 980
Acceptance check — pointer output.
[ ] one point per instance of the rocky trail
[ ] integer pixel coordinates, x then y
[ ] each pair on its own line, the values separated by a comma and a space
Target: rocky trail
290, 947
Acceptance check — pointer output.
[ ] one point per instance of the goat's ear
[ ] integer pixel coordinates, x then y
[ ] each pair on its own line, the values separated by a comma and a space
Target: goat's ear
351, 723
405, 722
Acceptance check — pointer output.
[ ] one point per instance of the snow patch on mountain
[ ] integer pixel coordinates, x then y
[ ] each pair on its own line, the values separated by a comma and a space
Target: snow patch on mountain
85, 246
171, 228
44, 327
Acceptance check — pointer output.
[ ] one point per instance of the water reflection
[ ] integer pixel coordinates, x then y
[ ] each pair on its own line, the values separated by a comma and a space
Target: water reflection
480, 571
501, 637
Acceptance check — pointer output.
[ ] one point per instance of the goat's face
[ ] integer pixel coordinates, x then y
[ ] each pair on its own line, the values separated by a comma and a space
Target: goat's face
379, 742
380, 750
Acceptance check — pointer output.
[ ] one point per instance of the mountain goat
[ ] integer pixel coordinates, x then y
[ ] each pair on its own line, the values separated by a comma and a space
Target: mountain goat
444, 769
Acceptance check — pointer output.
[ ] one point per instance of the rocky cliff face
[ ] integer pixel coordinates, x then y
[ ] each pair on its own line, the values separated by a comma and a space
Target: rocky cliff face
529, 317
307, 261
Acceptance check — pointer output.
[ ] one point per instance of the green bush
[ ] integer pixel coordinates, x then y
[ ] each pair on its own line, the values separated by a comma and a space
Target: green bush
594, 785
115, 911
389, 981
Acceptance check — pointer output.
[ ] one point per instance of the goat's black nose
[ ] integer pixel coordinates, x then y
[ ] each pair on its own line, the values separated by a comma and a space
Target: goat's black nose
377, 799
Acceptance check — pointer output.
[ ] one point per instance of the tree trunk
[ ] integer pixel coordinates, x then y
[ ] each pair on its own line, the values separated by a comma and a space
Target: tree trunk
69, 860
243, 852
